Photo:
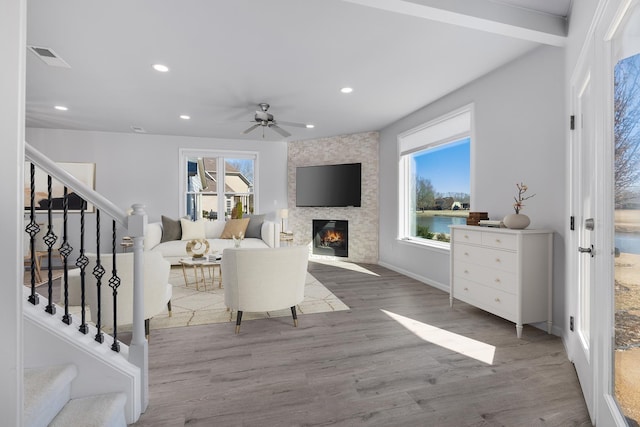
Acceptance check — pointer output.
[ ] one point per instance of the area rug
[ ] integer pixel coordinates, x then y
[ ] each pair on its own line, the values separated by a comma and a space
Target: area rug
199, 307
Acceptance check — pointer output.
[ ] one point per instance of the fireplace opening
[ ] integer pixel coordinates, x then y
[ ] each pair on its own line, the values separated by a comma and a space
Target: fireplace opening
331, 237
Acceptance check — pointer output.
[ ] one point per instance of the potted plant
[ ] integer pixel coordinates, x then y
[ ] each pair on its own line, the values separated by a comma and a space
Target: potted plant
518, 221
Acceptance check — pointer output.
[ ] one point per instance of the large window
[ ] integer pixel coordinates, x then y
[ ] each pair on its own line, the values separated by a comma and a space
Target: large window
435, 178
218, 185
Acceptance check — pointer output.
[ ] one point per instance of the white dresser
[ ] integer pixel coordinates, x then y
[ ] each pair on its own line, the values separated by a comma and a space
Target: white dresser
505, 272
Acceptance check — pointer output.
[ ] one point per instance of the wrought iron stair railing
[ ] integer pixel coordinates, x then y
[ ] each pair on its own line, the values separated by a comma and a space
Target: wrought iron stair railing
133, 225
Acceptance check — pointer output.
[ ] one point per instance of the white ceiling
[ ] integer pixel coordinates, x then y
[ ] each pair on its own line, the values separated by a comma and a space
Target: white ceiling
227, 56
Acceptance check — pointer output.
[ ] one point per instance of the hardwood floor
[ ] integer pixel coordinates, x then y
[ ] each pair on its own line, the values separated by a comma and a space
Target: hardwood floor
362, 367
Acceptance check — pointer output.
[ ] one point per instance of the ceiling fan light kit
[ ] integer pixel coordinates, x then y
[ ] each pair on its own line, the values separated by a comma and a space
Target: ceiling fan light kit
265, 119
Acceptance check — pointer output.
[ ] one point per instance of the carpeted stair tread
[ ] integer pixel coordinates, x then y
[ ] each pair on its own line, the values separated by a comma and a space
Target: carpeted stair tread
46, 390
93, 411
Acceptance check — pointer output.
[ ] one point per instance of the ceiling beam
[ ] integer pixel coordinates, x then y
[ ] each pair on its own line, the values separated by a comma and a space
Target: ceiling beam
482, 15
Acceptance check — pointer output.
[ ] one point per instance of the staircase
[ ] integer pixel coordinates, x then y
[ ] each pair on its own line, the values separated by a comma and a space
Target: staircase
48, 401
75, 372
72, 380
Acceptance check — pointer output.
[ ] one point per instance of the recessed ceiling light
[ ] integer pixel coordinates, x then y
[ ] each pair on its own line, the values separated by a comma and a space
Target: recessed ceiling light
346, 90
310, 126
61, 107
185, 117
161, 68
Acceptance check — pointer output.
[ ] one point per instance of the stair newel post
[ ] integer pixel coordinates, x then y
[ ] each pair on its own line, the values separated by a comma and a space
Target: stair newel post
82, 263
98, 272
65, 251
114, 283
50, 240
138, 350
33, 228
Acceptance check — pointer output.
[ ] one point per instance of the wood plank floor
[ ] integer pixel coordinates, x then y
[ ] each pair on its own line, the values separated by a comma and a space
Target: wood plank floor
361, 367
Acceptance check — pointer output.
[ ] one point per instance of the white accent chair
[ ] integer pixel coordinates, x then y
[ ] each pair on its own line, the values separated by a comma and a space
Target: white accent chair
264, 279
157, 289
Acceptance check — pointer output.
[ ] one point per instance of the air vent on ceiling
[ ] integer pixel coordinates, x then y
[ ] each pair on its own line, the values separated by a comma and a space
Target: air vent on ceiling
138, 129
49, 56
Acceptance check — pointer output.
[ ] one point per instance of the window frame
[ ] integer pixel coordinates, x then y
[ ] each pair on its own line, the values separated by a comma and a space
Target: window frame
442, 130
220, 155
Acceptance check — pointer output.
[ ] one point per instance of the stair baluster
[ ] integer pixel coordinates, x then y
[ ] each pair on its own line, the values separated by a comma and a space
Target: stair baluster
50, 239
32, 229
98, 272
65, 251
82, 263
114, 282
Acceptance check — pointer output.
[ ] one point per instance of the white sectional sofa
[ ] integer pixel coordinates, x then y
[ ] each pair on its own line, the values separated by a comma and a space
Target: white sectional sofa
173, 250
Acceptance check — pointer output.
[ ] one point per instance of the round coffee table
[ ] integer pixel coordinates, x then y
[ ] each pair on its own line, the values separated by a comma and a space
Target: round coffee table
201, 263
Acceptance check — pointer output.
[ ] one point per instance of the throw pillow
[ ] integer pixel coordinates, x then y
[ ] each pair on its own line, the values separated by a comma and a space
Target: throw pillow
234, 227
171, 229
254, 229
213, 229
192, 229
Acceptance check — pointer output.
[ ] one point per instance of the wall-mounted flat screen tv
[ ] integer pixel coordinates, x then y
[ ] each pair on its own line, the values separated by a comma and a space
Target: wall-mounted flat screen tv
329, 185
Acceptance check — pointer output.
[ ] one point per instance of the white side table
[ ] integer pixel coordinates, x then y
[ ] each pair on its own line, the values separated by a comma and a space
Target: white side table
286, 238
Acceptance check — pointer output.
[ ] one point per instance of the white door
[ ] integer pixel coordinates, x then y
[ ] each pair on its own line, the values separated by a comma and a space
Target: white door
582, 248
617, 368
590, 253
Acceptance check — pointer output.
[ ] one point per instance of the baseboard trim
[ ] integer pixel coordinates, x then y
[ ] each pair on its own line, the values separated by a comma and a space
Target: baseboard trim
426, 281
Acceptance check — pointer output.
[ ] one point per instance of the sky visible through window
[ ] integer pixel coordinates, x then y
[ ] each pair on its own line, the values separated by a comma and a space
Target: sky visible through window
447, 167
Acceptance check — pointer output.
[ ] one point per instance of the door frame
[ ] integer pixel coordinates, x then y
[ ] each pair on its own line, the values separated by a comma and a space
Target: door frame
603, 407
607, 410
583, 359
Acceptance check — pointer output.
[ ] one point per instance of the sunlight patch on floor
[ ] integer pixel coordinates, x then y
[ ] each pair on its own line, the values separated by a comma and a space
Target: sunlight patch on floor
345, 265
460, 344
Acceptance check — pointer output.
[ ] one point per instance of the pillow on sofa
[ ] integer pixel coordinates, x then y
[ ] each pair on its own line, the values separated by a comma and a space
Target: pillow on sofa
213, 229
192, 229
254, 229
234, 227
171, 229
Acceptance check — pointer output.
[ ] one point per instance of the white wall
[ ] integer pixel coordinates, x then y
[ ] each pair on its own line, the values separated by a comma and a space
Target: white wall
519, 136
141, 168
12, 84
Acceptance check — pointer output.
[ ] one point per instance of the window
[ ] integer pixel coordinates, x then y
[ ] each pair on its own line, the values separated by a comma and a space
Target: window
203, 184
435, 178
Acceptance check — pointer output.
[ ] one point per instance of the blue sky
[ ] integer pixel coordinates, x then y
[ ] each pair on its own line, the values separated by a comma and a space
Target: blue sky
447, 168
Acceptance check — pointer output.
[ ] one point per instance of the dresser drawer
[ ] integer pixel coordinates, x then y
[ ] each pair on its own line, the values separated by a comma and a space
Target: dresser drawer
492, 258
467, 236
492, 300
499, 240
491, 277
501, 260
467, 253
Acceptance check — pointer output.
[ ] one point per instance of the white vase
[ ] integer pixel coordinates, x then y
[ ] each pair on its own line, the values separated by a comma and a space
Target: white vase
516, 221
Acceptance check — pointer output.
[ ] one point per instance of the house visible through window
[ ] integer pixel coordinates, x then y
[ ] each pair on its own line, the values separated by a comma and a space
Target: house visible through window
435, 178
203, 185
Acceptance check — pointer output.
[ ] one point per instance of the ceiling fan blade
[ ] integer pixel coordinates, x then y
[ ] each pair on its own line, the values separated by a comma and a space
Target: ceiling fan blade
298, 125
279, 130
251, 128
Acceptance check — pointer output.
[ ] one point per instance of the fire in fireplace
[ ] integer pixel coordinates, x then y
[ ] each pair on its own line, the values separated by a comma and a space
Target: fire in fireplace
331, 237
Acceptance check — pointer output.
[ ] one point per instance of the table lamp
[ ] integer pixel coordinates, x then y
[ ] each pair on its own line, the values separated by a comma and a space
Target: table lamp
284, 213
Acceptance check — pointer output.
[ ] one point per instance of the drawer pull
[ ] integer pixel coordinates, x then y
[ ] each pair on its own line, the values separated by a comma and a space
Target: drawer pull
498, 260
466, 289
466, 272
466, 236
498, 241
497, 300
497, 280
466, 254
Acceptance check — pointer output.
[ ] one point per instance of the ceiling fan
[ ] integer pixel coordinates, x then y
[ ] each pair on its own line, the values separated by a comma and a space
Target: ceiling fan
265, 119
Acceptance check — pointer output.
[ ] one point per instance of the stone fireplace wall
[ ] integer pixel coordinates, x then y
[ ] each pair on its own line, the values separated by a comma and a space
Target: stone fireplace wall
363, 221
